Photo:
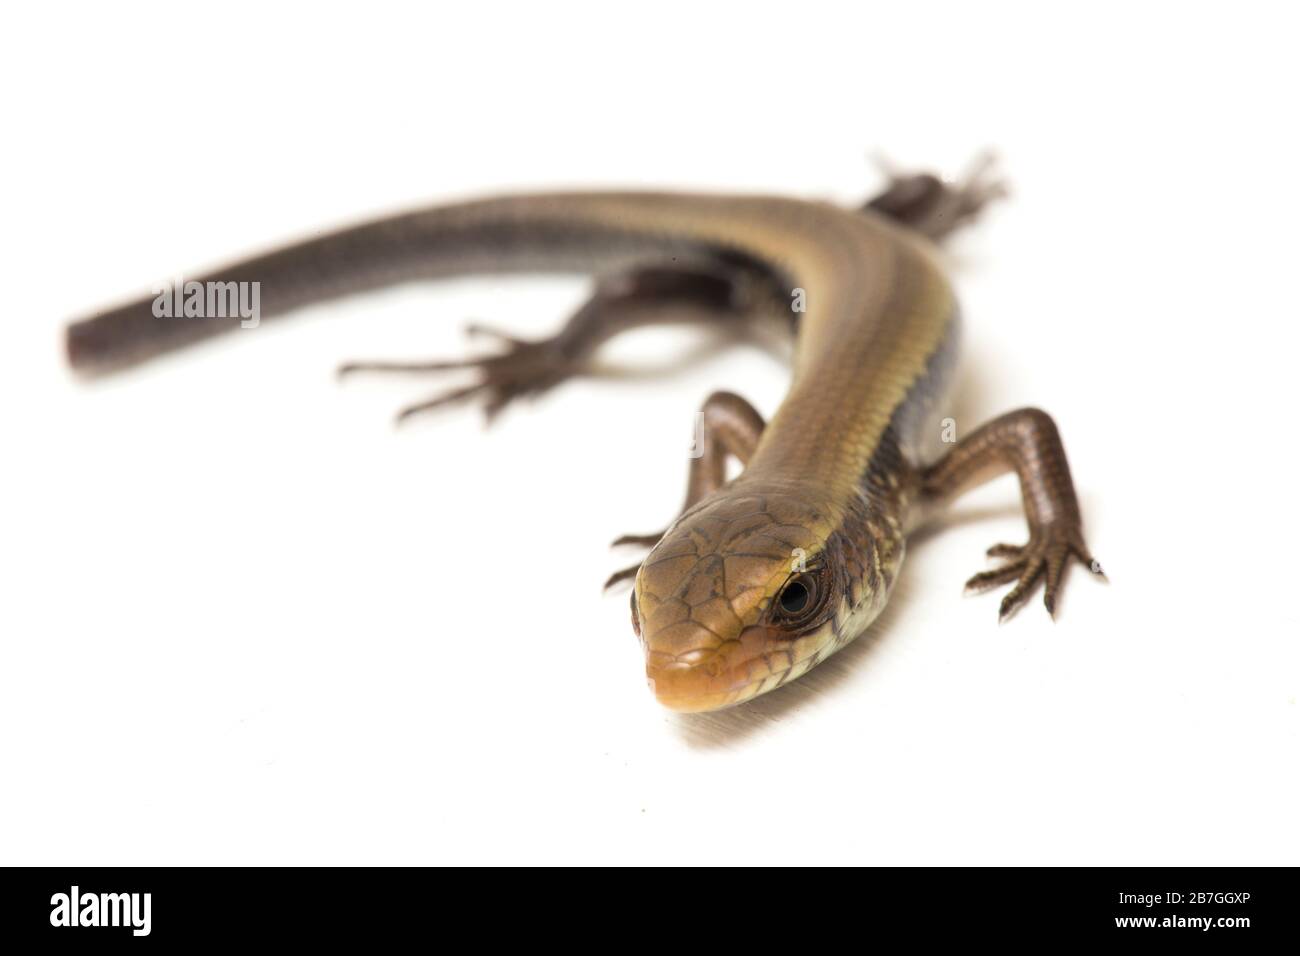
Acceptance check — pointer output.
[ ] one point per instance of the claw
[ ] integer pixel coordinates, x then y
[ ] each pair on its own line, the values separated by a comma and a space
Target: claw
1018, 595
981, 176
1005, 551
991, 579
479, 330
1054, 570
347, 368
522, 368
1044, 558
645, 540
623, 575
448, 398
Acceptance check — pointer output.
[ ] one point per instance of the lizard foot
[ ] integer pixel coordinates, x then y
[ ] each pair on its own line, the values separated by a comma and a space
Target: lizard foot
934, 206
643, 540
1043, 558
626, 574
522, 368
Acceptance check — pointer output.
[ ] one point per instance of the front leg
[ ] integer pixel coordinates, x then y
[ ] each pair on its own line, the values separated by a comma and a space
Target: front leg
726, 425
1026, 442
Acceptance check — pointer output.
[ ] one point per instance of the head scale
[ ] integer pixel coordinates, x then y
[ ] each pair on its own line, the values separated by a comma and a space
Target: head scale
749, 590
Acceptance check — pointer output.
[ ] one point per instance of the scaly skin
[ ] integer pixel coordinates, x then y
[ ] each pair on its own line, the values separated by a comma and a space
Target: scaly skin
761, 578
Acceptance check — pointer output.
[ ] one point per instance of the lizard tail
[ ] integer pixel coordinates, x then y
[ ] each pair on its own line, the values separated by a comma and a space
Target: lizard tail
517, 234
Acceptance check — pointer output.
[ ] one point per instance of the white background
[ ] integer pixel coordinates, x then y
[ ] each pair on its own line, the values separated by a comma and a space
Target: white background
243, 619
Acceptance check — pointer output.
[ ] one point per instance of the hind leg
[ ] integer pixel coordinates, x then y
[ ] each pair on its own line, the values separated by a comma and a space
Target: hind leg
934, 207
620, 302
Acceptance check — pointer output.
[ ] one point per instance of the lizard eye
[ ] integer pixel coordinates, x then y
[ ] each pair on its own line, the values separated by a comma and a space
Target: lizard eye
795, 597
798, 601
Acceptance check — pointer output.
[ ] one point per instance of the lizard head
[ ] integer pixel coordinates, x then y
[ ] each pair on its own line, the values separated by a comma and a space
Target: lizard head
748, 590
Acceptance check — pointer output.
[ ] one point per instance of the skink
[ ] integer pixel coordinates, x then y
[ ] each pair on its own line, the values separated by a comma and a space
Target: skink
762, 577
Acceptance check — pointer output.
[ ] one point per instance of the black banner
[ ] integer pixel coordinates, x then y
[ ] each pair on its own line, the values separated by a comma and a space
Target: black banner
136, 907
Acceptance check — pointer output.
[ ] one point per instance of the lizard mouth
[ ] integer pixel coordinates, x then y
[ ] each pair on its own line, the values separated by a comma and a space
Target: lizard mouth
713, 678
687, 691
